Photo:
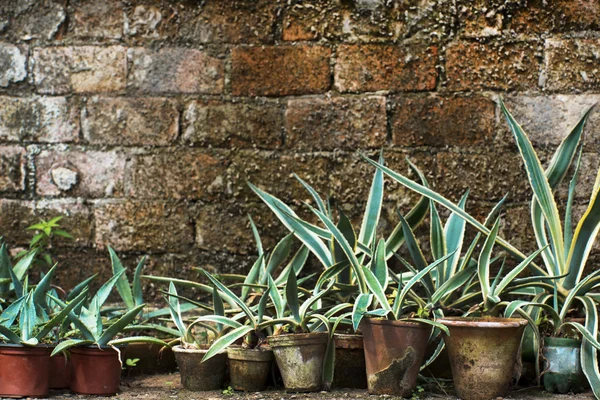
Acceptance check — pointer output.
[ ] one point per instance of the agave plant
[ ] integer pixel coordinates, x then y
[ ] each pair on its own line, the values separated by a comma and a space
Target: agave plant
563, 250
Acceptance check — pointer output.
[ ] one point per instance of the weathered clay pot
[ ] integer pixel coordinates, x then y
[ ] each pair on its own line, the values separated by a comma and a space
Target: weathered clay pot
95, 371
197, 375
394, 352
24, 371
249, 368
482, 354
350, 369
153, 359
562, 366
60, 372
300, 359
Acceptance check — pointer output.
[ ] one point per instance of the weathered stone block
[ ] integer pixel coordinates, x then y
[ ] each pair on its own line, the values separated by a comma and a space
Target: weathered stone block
80, 173
13, 64
572, 64
12, 169
183, 174
39, 119
175, 70
130, 121
368, 68
96, 19
475, 66
27, 20
338, 122
142, 225
280, 70
244, 125
442, 121
79, 69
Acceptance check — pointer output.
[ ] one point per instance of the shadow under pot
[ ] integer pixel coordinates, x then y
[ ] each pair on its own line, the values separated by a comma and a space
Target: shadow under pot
197, 375
152, 359
394, 353
60, 371
562, 366
95, 370
300, 359
249, 368
350, 369
482, 352
24, 371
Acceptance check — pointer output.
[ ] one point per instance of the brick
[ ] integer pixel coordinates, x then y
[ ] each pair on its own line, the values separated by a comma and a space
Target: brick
39, 119
12, 169
572, 64
442, 121
13, 64
142, 226
472, 66
245, 125
367, 68
80, 173
32, 20
130, 121
93, 19
279, 71
183, 174
488, 176
175, 70
577, 14
79, 69
153, 19
547, 120
518, 229
590, 165
238, 21
338, 122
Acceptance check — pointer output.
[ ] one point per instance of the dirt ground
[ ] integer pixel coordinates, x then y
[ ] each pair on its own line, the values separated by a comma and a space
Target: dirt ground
167, 387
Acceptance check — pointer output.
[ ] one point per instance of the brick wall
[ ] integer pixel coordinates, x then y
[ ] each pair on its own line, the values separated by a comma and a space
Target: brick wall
142, 120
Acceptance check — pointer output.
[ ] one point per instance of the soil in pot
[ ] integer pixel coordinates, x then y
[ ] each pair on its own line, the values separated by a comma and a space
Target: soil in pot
300, 359
95, 371
482, 353
152, 359
562, 366
350, 369
249, 368
60, 372
197, 375
24, 371
394, 353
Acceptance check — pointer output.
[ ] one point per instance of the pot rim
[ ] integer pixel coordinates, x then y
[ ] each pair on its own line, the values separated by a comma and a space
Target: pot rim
179, 349
483, 322
298, 339
562, 341
256, 355
403, 323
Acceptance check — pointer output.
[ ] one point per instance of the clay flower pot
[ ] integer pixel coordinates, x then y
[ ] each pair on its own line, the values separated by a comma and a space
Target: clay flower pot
300, 359
60, 372
24, 371
482, 353
249, 368
197, 375
95, 371
350, 369
394, 353
153, 359
562, 366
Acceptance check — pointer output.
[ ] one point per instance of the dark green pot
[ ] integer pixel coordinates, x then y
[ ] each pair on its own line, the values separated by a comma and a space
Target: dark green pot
563, 367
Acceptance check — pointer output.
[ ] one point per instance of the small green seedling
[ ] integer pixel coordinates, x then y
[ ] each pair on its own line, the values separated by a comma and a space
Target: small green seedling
229, 391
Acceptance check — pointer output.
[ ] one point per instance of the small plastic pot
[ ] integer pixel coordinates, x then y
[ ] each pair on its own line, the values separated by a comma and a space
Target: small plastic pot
300, 359
562, 366
394, 353
249, 368
197, 375
24, 371
95, 371
60, 372
350, 370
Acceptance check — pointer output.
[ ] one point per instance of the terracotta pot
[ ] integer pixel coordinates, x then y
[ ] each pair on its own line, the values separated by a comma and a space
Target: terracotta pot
249, 368
394, 353
24, 371
482, 353
562, 366
95, 371
350, 369
197, 375
153, 359
60, 372
300, 359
